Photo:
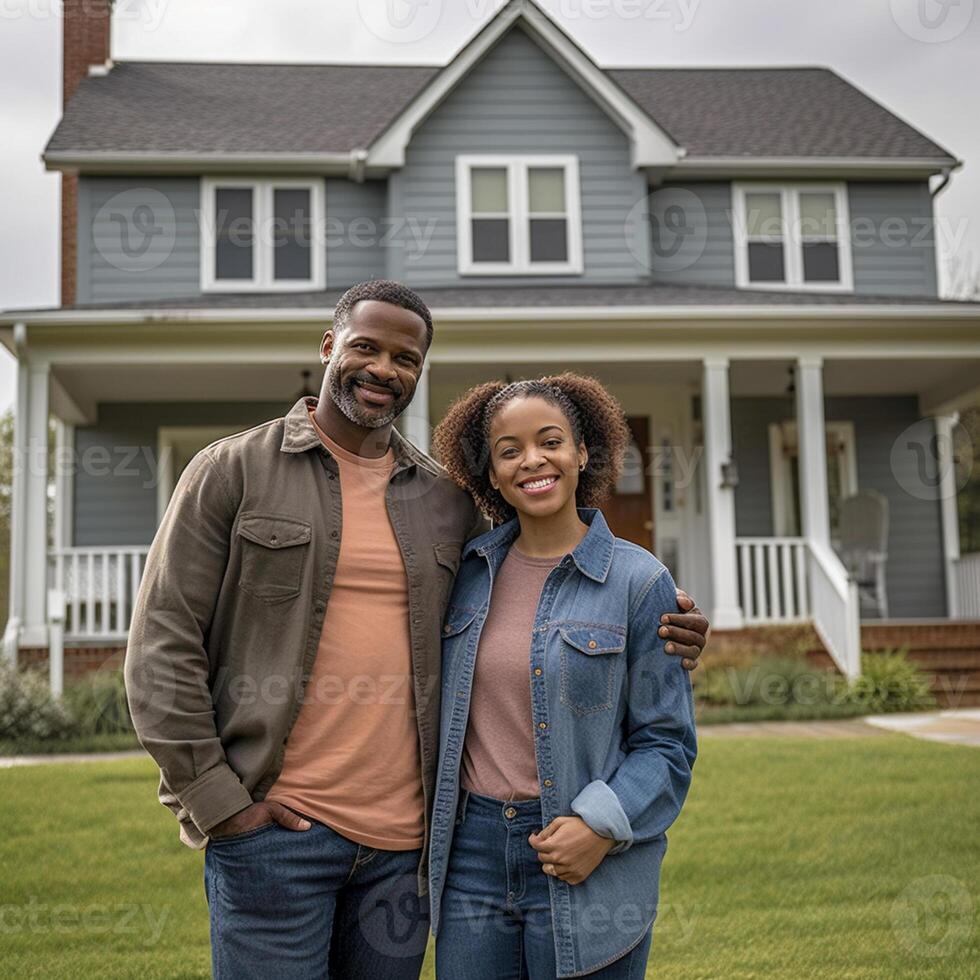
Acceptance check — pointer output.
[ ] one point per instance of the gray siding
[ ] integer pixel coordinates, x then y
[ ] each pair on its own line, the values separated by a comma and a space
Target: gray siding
118, 261
115, 484
893, 238
704, 252
517, 100
137, 238
357, 226
915, 579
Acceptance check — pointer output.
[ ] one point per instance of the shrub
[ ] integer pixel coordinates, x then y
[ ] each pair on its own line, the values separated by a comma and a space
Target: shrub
27, 708
771, 681
891, 682
98, 703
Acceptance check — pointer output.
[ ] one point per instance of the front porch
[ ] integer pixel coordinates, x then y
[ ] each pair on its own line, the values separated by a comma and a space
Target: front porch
735, 480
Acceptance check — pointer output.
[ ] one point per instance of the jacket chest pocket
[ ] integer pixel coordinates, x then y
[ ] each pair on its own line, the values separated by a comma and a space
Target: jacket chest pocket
588, 666
274, 551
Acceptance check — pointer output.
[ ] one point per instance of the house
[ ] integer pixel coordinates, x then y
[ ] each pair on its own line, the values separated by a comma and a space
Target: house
746, 256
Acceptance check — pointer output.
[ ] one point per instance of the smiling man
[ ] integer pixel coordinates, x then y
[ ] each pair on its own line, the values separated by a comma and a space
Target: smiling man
283, 666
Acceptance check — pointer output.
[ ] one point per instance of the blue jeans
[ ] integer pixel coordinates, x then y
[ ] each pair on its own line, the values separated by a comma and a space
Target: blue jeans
496, 908
298, 904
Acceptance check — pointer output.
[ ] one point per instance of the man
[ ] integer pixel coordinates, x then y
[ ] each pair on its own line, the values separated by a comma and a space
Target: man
283, 665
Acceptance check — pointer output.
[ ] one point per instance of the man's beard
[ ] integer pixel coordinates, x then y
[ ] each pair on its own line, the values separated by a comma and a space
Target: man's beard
342, 393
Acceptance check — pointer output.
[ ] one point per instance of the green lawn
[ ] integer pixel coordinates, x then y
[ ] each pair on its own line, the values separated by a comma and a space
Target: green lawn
794, 858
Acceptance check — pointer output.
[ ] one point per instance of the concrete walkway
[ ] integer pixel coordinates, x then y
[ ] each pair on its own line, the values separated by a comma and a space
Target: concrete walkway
10, 761
837, 728
957, 727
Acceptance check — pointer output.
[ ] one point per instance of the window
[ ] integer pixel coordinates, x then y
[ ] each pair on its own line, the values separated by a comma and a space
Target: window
518, 215
792, 237
261, 234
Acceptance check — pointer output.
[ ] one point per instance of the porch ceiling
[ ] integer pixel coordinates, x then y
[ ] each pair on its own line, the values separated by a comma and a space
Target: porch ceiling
935, 382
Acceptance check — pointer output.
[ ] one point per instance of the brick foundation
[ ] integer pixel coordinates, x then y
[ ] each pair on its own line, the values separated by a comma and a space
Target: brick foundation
79, 661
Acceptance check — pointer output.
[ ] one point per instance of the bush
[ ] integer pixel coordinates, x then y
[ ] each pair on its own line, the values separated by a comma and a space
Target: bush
771, 681
98, 704
27, 708
891, 682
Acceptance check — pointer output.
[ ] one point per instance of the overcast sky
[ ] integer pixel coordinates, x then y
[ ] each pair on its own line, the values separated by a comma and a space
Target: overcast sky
919, 57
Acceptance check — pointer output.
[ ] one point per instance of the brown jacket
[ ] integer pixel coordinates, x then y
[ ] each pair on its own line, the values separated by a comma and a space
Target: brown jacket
228, 618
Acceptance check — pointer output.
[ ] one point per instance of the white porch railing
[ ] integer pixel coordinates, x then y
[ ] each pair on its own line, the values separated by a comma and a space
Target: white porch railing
99, 587
772, 580
966, 572
835, 607
792, 580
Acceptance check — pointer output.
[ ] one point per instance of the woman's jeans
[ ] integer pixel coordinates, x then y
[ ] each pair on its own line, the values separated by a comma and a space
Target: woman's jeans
496, 909
297, 904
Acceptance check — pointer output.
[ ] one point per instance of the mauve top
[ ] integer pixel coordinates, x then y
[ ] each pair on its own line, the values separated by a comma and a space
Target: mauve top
498, 753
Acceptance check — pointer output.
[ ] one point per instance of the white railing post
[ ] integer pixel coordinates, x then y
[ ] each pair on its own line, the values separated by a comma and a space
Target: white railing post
720, 500
56, 641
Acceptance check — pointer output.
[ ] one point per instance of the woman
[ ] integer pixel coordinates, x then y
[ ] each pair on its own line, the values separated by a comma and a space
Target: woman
567, 735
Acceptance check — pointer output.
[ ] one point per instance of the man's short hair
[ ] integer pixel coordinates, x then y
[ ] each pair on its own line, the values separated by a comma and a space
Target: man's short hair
384, 291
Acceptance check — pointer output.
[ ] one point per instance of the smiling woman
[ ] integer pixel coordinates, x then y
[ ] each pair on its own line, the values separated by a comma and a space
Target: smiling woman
567, 735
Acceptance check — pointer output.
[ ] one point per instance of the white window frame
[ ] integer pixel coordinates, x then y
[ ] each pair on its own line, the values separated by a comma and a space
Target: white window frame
519, 217
789, 195
262, 255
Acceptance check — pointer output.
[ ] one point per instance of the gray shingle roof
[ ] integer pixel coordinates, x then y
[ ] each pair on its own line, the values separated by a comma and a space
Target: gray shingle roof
229, 108
201, 108
771, 112
489, 297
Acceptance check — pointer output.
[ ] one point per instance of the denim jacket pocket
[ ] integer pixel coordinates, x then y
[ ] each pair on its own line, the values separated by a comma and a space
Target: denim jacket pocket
274, 550
587, 661
457, 619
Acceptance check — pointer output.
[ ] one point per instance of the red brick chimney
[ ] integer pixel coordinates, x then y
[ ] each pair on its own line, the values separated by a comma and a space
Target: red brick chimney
85, 42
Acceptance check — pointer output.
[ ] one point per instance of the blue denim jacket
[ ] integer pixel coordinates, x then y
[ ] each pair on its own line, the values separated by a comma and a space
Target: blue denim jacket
613, 720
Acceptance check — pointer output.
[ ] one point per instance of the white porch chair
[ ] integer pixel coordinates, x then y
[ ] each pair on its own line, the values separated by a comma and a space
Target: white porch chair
864, 546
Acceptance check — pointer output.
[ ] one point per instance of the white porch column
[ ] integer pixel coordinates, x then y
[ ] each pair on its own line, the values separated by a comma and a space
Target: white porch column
64, 445
947, 509
814, 509
34, 471
17, 498
726, 612
416, 426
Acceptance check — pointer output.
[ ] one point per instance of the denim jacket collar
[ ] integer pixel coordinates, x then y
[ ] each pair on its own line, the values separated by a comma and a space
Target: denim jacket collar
592, 556
299, 436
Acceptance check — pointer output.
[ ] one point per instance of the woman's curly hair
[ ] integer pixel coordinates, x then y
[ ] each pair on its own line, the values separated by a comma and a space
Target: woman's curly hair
462, 439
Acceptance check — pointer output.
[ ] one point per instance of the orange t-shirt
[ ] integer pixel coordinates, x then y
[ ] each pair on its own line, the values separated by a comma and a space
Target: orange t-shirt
352, 759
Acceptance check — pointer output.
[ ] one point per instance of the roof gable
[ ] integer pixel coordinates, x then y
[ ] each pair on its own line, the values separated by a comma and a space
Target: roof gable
650, 145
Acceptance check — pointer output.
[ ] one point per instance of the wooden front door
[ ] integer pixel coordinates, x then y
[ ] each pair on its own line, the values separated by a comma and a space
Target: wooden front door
629, 510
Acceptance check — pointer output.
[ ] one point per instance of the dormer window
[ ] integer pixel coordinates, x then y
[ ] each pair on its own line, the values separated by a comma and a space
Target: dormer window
261, 234
791, 236
518, 215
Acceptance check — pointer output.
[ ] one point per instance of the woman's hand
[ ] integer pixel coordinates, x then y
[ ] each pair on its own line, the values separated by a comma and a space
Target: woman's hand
570, 849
